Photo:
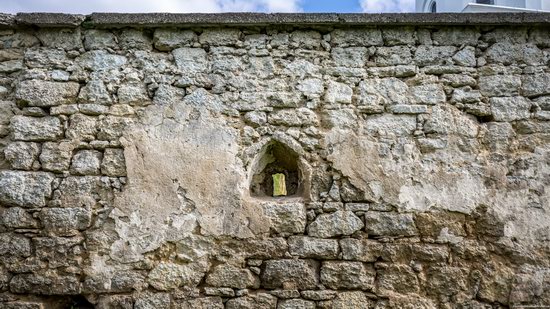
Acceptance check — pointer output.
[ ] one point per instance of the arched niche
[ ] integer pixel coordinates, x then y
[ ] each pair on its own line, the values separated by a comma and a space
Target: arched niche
275, 157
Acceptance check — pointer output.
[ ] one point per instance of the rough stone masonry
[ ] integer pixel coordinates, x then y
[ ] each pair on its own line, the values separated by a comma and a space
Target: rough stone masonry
136, 153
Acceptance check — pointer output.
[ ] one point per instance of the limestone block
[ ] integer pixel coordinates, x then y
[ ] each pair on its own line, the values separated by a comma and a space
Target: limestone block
133, 94
319, 294
507, 53
11, 66
311, 87
259, 300
46, 93
315, 248
226, 275
383, 91
12, 244
65, 220
535, 85
46, 58
428, 94
293, 117
431, 55
112, 127
166, 95
99, 39
190, 60
466, 57
26, 128
395, 55
466, 95
510, 108
389, 224
50, 284
356, 37
365, 250
58, 251
499, 85
289, 274
341, 118
456, 36
398, 125
82, 127
135, 39
153, 301
355, 299
352, 57
401, 301
67, 39
17, 218
447, 280
338, 93
25, 189
399, 35
56, 157
255, 118
24, 305
22, 155
113, 163
95, 92
168, 276
296, 304
86, 162
169, 39
218, 37
286, 218
347, 275
203, 303
335, 224
305, 39
93, 109
409, 109
100, 60
397, 278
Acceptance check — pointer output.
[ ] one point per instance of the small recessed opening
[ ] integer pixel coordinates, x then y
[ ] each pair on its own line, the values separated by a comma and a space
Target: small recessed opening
278, 173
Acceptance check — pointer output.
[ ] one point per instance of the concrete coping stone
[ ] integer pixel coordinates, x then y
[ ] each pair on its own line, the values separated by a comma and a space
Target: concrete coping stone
149, 20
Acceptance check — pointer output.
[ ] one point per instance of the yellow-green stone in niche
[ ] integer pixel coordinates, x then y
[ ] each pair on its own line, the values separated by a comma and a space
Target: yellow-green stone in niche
279, 185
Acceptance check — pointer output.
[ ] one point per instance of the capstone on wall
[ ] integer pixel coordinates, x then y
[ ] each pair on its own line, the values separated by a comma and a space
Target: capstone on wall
128, 158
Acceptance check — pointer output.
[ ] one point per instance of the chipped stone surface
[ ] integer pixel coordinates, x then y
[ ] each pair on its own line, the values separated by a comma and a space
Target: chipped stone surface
36, 129
135, 162
25, 189
44, 93
335, 224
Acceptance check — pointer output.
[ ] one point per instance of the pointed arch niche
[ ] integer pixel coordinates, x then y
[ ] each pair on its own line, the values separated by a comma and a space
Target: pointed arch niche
275, 157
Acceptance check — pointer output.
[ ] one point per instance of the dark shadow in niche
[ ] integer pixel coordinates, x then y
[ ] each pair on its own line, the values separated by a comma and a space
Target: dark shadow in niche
277, 158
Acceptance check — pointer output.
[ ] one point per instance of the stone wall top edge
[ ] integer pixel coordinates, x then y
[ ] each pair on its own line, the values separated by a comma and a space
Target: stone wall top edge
103, 20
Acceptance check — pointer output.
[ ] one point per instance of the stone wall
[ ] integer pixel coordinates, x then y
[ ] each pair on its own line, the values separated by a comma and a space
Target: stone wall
132, 161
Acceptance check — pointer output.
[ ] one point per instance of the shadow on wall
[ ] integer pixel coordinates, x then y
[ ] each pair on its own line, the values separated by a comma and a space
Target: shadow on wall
273, 159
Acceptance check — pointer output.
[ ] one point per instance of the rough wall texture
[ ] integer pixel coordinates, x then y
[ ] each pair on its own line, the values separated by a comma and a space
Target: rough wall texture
127, 157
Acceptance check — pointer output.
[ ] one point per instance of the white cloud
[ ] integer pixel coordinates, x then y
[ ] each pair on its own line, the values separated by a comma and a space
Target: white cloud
145, 6
387, 6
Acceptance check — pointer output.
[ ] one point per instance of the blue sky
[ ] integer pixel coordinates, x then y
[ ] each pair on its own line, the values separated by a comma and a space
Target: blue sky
206, 6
